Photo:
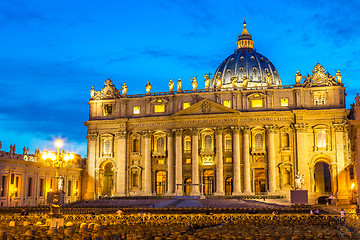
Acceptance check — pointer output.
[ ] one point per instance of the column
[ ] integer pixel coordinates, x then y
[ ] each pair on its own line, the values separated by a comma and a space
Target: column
170, 163
342, 194
147, 170
246, 159
271, 130
195, 162
120, 151
90, 166
236, 161
301, 129
178, 162
219, 163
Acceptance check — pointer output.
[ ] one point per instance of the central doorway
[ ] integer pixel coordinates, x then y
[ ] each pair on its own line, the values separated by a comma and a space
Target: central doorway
322, 177
260, 180
108, 180
208, 182
160, 182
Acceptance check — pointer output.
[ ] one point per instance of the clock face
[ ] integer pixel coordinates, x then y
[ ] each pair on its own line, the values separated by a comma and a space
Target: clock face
108, 92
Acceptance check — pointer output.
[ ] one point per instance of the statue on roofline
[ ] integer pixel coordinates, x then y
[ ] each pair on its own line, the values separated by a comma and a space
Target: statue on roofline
194, 84
234, 81
298, 77
171, 85
207, 81
268, 79
179, 85
124, 90
245, 81
148, 87
338, 76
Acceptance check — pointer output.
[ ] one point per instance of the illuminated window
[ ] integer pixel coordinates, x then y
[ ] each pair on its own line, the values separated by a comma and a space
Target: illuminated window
135, 179
108, 109
187, 143
160, 144
41, 187
256, 103
3, 185
319, 98
186, 105
188, 160
228, 160
228, 142
321, 139
258, 141
159, 108
29, 187
107, 146
227, 103
161, 161
208, 142
136, 110
284, 102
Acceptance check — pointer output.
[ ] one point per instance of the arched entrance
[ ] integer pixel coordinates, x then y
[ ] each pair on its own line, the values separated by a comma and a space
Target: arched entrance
228, 186
160, 182
188, 188
322, 177
260, 180
208, 182
108, 179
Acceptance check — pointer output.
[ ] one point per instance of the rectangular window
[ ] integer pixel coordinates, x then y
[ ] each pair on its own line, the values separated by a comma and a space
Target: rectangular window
159, 108
161, 161
29, 187
186, 105
256, 103
16, 186
284, 102
51, 185
108, 109
188, 160
136, 110
228, 160
351, 173
69, 188
41, 190
3, 184
12, 178
227, 103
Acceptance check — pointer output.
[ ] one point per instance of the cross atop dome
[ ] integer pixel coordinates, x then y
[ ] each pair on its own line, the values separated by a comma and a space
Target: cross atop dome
244, 40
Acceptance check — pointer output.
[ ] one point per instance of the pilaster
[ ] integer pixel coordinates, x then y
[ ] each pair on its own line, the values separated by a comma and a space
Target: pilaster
120, 147
219, 163
236, 161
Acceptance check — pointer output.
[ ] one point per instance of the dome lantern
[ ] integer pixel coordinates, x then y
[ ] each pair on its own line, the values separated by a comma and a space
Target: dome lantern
244, 40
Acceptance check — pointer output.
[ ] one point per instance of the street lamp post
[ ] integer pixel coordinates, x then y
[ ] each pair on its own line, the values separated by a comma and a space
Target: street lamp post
58, 160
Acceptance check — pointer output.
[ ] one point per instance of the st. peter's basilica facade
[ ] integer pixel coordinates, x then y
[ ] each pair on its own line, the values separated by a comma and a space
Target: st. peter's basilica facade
244, 133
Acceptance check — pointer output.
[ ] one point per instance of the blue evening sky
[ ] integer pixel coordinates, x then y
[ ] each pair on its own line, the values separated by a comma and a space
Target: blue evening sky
52, 52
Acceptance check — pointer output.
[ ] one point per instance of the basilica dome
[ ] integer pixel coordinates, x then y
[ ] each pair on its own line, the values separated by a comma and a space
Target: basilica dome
245, 67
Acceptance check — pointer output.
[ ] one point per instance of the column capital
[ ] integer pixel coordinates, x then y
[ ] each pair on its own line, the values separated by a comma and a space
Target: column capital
146, 134
218, 130
245, 129
169, 133
120, 135
92, 136
178, 132
300, 127
195, 131
339, 127
271, 128
236, 129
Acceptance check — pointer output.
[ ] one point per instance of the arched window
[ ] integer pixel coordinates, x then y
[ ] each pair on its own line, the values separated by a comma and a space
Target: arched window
228, 142
285, 140
187, 143
258, 141
136, 145
321, 139
160, 144
107, 146
208, 142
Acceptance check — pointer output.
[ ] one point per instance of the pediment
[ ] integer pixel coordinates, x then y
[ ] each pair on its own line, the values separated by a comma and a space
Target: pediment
205, 107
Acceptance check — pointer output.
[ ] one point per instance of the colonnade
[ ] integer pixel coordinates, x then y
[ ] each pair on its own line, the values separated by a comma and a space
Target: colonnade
241, 150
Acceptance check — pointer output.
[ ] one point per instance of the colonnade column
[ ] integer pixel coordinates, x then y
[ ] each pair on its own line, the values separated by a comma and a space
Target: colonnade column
195, 161
178, 161
246, 159
342, 194
219, 163
236, 161
147, 171
301, 129
271, 130
90, 166
120, 148
170, 163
